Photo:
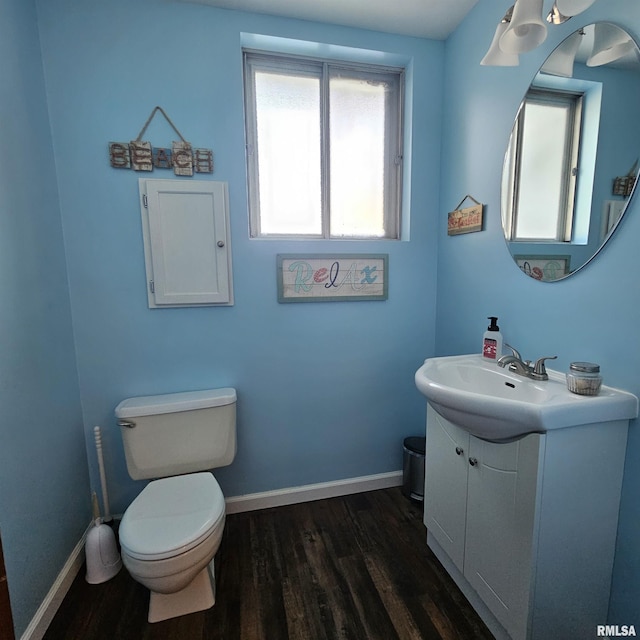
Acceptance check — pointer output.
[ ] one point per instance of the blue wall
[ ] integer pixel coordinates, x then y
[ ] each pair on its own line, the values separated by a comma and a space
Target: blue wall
44, 484
325, 390
595, 314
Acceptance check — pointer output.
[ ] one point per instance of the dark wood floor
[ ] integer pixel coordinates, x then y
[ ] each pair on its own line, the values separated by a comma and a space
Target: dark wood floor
354, 567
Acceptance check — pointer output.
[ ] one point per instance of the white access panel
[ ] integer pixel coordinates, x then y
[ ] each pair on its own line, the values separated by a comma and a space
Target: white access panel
187, 242
611, 213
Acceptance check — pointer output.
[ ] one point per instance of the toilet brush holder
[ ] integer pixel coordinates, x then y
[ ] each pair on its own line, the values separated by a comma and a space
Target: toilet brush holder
101, 550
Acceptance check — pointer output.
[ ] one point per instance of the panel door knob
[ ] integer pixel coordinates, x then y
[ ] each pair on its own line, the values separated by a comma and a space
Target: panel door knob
459, 451
221, 243
473, 461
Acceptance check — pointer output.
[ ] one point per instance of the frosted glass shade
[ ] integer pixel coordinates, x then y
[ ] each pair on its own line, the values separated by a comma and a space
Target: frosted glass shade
495, 56
610, 43
571, 8
527, 29
560, 62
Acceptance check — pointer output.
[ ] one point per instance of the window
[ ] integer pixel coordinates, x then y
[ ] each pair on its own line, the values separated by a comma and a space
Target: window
544, 150
324, 147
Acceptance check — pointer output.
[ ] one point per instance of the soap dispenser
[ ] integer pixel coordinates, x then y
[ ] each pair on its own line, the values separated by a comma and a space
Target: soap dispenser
492, 340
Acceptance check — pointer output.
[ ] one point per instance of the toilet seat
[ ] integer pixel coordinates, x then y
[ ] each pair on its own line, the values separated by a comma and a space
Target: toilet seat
171, 516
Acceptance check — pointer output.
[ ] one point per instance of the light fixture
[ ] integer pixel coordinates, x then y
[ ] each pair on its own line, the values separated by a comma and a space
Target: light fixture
571, 8
560, 62
495, 56
527, 29
523, 29
555, 17
610, 43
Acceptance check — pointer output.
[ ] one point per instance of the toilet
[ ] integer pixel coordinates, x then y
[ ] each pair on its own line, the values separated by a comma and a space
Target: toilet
171, 532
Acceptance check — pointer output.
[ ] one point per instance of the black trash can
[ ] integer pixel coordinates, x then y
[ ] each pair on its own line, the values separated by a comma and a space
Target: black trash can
413, 468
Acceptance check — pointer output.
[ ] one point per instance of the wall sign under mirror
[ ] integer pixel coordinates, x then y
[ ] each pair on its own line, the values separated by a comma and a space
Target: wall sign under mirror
574, 142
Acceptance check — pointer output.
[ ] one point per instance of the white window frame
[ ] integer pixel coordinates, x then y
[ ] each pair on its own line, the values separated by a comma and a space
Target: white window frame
321, 68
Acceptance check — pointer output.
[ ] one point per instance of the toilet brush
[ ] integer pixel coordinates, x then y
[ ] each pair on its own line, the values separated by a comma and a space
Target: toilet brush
101, 551
97, 437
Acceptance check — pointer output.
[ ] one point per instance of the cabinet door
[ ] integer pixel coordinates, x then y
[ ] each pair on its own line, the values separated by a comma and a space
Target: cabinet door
445, 491
186, 239
499, 549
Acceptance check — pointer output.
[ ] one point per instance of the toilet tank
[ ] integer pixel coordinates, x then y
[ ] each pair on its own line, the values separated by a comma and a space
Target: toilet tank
176, 433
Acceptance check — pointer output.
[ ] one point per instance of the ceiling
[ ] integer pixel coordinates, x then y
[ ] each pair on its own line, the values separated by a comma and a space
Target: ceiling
434, 19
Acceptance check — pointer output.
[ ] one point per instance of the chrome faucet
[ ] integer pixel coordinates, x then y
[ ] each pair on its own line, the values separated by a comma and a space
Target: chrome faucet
535, 371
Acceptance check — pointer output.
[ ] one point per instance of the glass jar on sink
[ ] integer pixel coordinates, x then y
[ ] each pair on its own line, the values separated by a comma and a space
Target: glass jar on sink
584, 378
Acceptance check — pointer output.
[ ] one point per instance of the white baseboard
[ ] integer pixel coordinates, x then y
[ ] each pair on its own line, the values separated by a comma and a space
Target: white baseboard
309, 492
44, 615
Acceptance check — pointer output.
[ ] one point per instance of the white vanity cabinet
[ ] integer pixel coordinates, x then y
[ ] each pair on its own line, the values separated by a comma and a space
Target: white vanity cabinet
527, 528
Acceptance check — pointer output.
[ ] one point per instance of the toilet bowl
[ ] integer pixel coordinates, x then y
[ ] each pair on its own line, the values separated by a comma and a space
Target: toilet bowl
169, 536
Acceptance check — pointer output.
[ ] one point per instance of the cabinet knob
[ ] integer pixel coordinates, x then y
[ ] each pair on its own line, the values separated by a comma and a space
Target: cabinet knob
473, 461
220, 243
459, 451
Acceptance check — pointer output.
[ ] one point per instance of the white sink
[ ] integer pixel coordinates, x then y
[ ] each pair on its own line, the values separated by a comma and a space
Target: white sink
499, 405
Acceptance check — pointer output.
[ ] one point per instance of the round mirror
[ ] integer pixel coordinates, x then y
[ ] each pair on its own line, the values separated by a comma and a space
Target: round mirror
571, 165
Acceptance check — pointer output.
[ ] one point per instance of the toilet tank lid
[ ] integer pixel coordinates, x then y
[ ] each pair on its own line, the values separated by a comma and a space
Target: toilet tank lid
174, 402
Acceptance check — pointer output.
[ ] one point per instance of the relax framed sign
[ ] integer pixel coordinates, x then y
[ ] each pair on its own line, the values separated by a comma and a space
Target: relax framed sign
319, 277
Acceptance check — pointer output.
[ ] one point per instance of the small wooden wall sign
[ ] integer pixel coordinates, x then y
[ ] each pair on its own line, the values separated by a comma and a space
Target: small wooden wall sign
465, 220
